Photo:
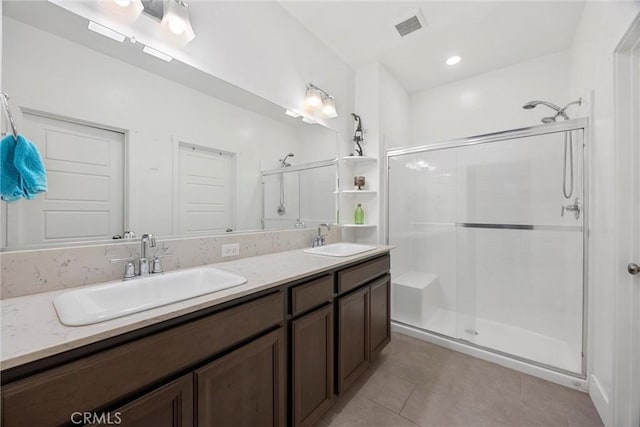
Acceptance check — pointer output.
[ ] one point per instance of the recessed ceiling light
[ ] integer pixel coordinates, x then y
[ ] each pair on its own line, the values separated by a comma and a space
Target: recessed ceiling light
151, 51
453, 60
107, 32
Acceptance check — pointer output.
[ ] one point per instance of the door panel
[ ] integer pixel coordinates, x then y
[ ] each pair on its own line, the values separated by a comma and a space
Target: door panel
206, 186
85, 172
353, 337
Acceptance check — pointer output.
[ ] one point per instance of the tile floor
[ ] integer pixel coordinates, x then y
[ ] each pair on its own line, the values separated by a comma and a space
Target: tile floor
418, 383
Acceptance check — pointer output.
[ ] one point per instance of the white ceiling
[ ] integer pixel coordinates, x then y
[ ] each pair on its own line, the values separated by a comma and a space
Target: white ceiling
487, 34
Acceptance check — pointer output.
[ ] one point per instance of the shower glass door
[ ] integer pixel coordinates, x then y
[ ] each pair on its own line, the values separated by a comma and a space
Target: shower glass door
485, 251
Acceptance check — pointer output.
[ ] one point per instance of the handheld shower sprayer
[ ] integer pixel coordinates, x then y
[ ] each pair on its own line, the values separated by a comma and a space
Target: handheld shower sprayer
567, 188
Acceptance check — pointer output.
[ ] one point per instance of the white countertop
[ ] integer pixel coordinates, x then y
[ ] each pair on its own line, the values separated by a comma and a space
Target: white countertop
31, 329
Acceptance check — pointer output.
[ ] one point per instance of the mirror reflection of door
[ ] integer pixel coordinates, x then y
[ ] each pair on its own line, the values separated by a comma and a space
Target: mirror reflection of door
205, 197
86, 181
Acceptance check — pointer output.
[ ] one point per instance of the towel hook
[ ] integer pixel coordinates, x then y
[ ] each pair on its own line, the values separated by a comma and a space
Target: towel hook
5, 103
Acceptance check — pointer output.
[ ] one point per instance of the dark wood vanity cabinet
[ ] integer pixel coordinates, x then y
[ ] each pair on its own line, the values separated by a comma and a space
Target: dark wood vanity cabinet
364, 318
312, 359
246, 387
168, 406
274, 358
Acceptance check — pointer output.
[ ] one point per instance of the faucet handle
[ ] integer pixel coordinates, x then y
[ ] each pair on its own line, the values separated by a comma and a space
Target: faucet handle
130, 271
157, 263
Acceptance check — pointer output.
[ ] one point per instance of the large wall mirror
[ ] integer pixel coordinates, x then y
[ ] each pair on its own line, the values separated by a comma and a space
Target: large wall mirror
133, 143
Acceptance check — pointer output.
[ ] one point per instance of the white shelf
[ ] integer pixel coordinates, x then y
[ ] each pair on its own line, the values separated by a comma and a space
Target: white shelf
356, 192
359, 159
358, 225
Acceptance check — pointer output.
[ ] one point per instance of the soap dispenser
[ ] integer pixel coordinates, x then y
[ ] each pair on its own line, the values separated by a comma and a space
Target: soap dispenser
359, 214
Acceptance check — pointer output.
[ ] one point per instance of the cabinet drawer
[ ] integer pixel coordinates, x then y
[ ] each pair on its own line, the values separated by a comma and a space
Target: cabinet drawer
352, 277
312, 294
99, 380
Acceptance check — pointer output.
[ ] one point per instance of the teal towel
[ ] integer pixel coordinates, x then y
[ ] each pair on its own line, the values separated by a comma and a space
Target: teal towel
23, 173
31, 167
10, 186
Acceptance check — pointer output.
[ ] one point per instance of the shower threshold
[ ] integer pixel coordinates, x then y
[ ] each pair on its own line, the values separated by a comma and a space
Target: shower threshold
505, 339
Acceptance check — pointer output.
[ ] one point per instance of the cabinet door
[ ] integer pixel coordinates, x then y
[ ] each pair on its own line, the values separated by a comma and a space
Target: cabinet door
246, 387
353, 337
313, 375
168, 406
380, 315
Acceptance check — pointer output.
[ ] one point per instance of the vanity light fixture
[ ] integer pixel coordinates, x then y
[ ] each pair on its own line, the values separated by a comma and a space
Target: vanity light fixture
329, 107
131, 8
107, 32
453, 60
317, 100
291, 113
153, 52
176, 20
313, 100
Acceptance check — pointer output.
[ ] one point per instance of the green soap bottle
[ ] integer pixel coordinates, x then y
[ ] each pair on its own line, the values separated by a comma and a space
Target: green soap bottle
359, 215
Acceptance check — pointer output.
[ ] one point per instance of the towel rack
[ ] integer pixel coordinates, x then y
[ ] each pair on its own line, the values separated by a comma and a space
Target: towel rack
5, 104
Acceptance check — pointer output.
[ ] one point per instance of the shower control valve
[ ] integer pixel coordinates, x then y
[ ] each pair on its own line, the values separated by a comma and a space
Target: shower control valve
575, 207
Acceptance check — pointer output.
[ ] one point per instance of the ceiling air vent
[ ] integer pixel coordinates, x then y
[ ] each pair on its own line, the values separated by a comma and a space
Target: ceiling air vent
413, 23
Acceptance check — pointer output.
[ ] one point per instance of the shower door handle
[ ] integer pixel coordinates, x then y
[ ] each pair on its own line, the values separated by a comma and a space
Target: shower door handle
633, 268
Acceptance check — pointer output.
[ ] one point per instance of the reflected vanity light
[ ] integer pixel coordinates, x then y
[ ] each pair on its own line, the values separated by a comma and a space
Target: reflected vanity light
176, 20
291, 113
131, 8
308, 120
153, 52
107, 32
317, 100
453, 60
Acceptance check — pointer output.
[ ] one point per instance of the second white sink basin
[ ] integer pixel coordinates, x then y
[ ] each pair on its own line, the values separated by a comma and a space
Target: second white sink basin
93, 304
340, 249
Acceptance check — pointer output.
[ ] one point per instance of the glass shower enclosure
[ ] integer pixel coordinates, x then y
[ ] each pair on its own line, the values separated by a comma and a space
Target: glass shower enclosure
490, 242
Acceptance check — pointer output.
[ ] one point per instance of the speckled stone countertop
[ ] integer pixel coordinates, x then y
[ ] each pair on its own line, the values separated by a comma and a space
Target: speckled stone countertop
31, 329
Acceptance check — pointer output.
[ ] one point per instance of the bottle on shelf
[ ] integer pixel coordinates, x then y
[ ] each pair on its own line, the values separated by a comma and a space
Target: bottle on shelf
359, 214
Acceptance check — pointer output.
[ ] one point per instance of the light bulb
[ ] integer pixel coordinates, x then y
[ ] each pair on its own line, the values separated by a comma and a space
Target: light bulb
313, 101
176, 25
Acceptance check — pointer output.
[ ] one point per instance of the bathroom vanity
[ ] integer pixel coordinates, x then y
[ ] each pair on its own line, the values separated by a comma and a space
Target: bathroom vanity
275, 351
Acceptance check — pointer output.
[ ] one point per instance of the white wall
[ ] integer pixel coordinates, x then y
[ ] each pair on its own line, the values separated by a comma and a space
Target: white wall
383, 105
64, 78
600, 30
490, 102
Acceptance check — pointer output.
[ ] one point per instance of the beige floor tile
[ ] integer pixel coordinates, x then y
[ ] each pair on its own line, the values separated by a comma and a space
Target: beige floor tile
387, 389
361, 411
418, 382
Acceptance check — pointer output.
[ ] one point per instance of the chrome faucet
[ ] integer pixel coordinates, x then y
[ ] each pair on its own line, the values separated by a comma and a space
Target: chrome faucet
574, 207
143, 262
319, 239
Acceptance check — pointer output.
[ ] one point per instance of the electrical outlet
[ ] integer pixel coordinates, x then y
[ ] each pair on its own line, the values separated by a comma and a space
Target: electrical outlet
232, 249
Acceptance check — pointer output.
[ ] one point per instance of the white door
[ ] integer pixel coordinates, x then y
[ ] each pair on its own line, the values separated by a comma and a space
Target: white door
85, 197
206, 180
626, 402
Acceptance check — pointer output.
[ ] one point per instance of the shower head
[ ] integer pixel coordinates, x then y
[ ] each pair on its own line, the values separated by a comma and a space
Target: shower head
533, 104
283, 162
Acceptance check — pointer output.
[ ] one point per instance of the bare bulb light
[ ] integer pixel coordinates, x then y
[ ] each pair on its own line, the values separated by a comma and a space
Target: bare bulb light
453, 60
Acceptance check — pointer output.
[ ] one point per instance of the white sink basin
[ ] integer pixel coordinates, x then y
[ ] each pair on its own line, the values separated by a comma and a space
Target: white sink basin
340, 249
93, 304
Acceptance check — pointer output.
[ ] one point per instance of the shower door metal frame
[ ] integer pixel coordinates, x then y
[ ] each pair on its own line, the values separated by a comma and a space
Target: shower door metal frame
297, 168
558, 127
